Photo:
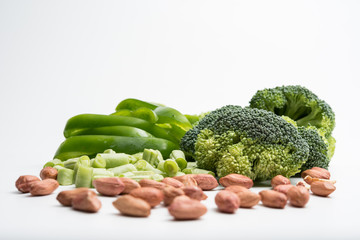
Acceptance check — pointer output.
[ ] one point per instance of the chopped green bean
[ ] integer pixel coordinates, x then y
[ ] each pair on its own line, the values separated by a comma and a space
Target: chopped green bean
197, 171
157, 177
70, 163
152, 156
191, 165
171, 167
83, 176
54, 162
99, 162
114, 159
65, 176
143, 165
109, 151
123, 169
58, 167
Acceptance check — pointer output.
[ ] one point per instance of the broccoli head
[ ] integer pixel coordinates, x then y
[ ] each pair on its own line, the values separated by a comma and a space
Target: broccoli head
252, 142
298, 103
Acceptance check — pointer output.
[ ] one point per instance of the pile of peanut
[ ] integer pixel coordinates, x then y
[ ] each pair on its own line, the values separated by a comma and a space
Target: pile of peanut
182, 195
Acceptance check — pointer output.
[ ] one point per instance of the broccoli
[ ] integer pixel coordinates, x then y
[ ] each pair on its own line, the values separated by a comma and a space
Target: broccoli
252, 142
298, 103
313, 117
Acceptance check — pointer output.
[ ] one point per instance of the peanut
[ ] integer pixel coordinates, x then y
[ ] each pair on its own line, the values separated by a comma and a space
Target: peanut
152, 183
44, 187
170, 193
236, 179
185, 208
23, 183
248, 199
310, 180
298, 196
322, 189
172, 182
66, 197
109, 186
236, 189
205, 181
130, 185
316, 172
151, 195
272, 198
86, 201
279, 180
187, 180
132, 206
194, 192
227, 201
48, 172
283, 188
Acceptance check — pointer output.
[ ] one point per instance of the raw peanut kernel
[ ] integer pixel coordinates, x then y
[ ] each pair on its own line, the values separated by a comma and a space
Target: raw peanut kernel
279, 180
283, 188
86, 201
170, 193
151, 195
205, 181
298, 196
109, 186
237, 189
236, 179
187, 180
130, 185
44, 187
66, 197
185, 208
23, 183
172, 182
272, 198
316, 172
194, 192
152, 183
322, 189
48, 172
227, 201
248, 199
132, 206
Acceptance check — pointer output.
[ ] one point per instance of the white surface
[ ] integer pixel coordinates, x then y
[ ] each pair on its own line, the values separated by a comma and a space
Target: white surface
59, 59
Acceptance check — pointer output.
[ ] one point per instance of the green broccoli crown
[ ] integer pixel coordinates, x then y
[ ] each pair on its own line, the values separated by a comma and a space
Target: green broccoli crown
298, 103
253, 142
318, 148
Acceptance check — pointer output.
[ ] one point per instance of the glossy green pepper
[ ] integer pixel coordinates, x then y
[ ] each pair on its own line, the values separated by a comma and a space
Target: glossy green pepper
90, 145
87, 122
113, 130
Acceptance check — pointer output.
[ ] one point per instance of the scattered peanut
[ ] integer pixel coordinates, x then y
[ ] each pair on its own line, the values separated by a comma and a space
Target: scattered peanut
170, 193
206, 181
283, 188
316, 172
298, 196
48, 172
109, 186
279, 180
322, 189
44, 187
248, 199
132, 206
187, 180
172, 182
66, 197
185, 208
86, 201
152, 183
23, 183
236, 189
194, 192
227, 201
151, 195
310, 180
130, 185
272, 198
236, 179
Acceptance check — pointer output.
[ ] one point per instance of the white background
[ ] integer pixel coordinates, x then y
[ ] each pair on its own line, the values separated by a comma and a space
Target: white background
62, 58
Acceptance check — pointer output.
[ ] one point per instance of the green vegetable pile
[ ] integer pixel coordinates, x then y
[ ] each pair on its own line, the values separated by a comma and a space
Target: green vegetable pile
283, 131
134, 126
148, 164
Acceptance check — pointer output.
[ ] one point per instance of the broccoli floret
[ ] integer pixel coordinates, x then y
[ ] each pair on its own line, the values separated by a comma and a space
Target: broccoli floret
298, 103
252, 142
